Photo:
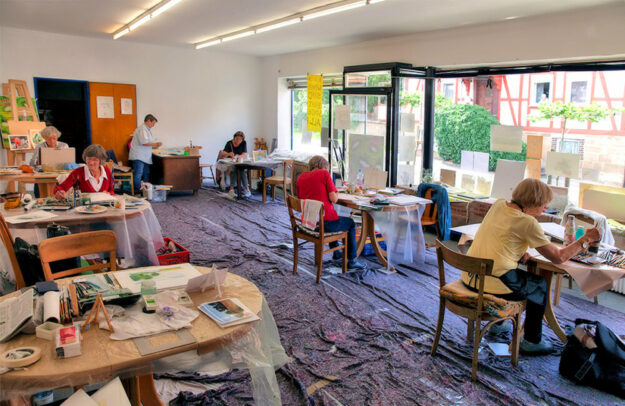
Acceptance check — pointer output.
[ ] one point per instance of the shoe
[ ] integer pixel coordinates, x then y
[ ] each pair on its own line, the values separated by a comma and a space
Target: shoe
501, 328
247, 193
231, 194
543, 347
355, 264
337, 255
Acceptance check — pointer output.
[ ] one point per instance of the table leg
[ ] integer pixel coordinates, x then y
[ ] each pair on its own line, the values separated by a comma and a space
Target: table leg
45, 189
550, 317
379, 252
364, 231
238, 183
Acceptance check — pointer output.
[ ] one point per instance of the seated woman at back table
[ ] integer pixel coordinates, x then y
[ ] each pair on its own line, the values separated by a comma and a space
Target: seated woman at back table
94, 177
236, 148
50, 136
507, 231
317, 185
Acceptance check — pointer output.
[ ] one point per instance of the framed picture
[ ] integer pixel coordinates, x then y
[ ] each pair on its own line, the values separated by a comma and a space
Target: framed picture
259, 155
19, 142
35, 137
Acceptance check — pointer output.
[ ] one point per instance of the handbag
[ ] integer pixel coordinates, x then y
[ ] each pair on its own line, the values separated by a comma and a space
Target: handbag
597, 359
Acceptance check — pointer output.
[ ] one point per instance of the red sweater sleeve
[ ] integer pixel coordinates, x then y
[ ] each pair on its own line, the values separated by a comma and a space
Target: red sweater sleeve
75, 175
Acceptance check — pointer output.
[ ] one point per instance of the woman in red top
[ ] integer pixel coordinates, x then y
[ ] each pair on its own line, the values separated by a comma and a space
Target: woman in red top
317, 185
94, 177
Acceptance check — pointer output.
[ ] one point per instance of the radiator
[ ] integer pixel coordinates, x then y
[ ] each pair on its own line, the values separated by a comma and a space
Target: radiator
620, 286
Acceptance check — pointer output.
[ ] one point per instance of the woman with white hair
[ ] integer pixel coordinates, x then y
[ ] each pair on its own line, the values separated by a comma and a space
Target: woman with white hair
50, 136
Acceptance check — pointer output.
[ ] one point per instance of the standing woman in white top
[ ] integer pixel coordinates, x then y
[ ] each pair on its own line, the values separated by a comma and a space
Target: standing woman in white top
141, 150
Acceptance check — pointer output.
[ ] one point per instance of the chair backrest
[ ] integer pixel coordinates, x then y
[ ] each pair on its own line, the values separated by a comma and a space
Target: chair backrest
288, 168
76, 245
480, 267
7, 240
109, 164
430, 214
295, 207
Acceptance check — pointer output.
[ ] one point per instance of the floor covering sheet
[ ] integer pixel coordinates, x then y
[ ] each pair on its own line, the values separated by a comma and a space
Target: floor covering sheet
362, 338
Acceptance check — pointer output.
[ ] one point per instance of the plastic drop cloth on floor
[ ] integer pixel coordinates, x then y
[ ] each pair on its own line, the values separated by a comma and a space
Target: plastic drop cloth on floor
362, 338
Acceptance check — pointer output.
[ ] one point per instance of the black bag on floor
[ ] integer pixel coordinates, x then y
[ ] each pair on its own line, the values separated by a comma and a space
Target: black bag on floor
28, 259
602, 367
55, 230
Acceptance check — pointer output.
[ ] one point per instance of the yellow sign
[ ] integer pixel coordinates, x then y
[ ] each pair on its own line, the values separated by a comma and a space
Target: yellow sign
315, 94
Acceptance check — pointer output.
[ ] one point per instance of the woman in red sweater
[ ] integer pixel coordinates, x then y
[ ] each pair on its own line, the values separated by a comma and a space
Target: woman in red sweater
94, 177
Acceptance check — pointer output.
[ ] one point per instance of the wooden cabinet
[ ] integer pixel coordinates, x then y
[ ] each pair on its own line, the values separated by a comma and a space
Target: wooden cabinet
181, 172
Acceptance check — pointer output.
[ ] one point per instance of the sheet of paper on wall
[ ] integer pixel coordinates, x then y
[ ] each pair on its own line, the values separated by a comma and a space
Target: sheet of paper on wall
342, 117
508, 174
407, 122
483, 186
466, 160
126, 105
507, 138
405, 174
480, 161
325, 133
562, 164
407, 148
306, 135
105, 107
534, 147
448, 177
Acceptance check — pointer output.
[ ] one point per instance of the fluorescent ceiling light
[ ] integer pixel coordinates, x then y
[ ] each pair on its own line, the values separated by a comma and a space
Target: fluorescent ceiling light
145, 17
333, 10
278, 25
121, 33
207, 44
374, 1
237, 36
164, 7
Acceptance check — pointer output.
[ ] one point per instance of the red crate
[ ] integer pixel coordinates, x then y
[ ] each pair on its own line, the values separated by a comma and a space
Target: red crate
175, 257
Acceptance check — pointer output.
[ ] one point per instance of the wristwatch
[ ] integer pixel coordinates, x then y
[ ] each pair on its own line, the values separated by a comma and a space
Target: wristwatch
585, 245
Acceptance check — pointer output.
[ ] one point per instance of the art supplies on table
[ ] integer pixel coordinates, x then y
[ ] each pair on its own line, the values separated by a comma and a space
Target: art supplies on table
87, 288
163, 341
46, 286
588, 258
15, 314
407, 200
228, 312
67, 342
31, 216
389, 191
614, 257
166, 276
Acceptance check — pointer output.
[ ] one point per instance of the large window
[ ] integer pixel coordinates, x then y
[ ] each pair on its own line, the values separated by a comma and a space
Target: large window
301, 138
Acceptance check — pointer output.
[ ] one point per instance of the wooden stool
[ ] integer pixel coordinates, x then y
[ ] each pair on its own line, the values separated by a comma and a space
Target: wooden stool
212, 175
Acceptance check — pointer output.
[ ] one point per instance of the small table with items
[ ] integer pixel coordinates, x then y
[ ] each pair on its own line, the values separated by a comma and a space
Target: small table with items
229, 164
399, 224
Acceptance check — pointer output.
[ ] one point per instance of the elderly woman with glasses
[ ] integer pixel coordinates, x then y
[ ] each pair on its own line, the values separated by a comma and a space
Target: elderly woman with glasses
507, 231
50, 136
94, 177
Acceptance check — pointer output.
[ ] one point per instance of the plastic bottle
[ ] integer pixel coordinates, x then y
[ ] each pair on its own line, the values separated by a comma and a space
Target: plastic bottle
360, 179
569, 230
579, 232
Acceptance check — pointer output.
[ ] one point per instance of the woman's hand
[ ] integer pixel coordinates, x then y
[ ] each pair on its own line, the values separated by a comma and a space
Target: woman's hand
593, 235
60, 194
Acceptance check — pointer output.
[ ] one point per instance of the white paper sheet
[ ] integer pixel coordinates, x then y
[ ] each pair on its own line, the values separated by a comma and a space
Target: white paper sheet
79, 398
306, 135
467, 182
480, 161
111, 394
32, 216
507, 138
126, 106
407, 148
166, 276
466, 160
213, 279
105, 107
508, 174
562, 164
407, 122
342, 117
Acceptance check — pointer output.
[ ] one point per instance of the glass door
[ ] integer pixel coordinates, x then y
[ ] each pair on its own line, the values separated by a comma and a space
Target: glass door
359, 138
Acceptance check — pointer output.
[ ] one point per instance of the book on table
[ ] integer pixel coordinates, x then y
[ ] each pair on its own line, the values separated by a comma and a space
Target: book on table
389, 191
16, 314
228, 312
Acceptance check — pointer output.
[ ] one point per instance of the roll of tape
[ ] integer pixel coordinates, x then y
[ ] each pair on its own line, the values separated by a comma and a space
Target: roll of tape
20, 357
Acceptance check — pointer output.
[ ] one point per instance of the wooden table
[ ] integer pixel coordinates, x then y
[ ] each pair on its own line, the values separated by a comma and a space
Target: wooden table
182, 172
592, 279
102, 359
45, 180
368, 224
241, 166
137, 229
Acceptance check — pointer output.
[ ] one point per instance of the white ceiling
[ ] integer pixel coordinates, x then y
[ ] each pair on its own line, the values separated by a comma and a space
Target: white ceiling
192, 21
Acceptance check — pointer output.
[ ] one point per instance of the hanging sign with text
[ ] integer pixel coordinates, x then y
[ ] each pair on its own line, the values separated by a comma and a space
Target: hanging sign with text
315, 94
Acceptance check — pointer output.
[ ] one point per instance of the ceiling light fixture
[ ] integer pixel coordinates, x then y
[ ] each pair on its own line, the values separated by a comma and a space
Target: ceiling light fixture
321, 11
145, 17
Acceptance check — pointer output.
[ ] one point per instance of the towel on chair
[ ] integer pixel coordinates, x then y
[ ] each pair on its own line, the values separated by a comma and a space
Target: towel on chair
310, 213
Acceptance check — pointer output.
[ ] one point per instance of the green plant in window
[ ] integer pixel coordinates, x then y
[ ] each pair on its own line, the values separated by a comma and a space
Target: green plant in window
570, 112
466, 127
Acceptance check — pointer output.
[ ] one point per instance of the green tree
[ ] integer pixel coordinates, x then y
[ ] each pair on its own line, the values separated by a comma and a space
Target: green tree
466, 127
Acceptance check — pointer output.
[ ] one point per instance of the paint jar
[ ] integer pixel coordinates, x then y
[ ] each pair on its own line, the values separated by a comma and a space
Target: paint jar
43, 398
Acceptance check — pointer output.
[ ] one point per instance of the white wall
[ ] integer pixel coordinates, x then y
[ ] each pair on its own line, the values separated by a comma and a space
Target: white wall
588, 34
204, 96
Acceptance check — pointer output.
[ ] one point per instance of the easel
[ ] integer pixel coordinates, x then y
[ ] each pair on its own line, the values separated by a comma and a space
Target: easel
93, 314
20, 88
15, 89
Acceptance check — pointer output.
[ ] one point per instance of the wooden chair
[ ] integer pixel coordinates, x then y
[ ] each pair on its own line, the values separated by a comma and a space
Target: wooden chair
76, 245
557, 289
119, 175
319, 238
284, 180
212, 174
7, 240
464, 302
430, 216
